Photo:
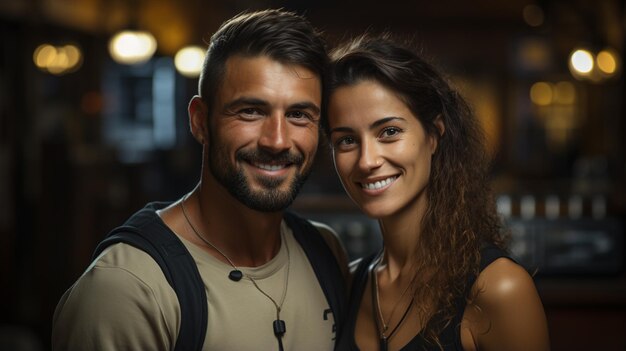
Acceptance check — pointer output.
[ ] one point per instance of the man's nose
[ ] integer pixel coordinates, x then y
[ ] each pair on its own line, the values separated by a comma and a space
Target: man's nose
275, 134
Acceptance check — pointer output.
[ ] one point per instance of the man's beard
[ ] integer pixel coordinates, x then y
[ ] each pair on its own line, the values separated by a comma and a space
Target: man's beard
270, 198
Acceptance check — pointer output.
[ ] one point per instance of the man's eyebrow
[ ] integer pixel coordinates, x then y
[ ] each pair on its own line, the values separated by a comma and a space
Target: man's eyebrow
244, 100
250, 101
306, 106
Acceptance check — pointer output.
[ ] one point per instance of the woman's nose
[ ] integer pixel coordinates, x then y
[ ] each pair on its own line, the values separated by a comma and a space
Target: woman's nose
370, 157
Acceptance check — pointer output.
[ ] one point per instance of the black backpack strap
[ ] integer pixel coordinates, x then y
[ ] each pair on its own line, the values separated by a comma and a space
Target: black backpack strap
147, 232
324, 265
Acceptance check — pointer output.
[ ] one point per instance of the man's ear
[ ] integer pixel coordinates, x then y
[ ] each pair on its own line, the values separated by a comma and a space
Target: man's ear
441, 129
198, 119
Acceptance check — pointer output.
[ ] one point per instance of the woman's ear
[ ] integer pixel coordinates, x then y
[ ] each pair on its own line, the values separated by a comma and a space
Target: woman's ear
198, 119
441, 129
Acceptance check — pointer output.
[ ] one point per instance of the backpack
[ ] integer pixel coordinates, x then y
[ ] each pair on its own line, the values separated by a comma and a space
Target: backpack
147, 232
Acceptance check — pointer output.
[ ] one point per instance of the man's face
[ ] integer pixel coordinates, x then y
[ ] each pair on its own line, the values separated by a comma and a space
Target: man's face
264, 130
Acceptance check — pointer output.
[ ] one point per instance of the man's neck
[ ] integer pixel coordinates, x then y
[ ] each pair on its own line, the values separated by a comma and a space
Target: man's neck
248, 237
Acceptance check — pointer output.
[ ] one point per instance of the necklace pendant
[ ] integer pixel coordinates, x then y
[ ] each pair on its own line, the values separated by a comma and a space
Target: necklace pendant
384, 344
235, 275
279, 327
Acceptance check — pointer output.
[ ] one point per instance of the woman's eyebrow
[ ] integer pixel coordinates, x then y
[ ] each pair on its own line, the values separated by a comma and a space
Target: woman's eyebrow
385, 120
341, 129
374, 124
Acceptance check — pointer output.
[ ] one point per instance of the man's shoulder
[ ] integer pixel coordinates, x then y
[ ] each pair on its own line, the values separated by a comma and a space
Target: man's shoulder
121, 273
120, 263
126, 256
121, 294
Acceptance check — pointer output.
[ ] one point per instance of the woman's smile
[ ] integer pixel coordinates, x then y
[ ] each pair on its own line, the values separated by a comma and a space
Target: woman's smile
378, 185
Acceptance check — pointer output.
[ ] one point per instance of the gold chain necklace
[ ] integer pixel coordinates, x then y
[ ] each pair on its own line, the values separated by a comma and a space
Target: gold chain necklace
236, 274
378, 314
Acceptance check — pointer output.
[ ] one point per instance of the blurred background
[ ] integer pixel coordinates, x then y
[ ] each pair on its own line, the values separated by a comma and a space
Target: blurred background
93, 124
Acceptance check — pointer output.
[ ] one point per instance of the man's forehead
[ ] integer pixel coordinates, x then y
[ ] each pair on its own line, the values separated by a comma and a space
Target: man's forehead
265, 78
239, 62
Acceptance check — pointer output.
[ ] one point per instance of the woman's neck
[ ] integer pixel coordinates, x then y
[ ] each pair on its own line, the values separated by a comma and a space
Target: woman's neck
401, 236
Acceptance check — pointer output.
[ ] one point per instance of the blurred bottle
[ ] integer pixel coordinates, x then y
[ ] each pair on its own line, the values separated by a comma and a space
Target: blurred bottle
598, 207
575, 207
504, 206
527, 207
552, 207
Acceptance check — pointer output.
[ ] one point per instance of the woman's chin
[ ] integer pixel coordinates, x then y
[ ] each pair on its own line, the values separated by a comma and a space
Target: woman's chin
375, 209
375, 212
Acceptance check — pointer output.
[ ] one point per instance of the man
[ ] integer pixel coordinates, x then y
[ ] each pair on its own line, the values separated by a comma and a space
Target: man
257, 119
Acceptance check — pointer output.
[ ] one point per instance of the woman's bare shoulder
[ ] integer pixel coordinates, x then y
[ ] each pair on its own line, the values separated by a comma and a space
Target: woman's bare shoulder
511, 312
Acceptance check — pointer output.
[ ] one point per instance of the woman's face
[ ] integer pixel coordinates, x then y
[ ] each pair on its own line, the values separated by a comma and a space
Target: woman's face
380, 149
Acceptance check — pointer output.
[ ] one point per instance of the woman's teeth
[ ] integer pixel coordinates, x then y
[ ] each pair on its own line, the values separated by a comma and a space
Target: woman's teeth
378, 184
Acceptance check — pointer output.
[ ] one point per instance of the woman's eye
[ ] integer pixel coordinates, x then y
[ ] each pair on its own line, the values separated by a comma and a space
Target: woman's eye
345, 142
390, 132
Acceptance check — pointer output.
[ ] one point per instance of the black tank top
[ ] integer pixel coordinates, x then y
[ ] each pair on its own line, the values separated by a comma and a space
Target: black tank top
450, 337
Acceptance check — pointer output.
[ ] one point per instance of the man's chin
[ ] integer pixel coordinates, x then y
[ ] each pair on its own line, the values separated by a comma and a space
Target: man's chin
274, 202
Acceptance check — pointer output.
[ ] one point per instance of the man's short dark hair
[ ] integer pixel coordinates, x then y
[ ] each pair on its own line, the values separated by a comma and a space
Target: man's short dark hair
283, 36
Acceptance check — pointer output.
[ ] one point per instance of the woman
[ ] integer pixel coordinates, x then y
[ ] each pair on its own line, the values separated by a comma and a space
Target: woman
409, 152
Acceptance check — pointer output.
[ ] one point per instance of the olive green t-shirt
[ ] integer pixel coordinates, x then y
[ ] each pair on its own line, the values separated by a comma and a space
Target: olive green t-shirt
124, 302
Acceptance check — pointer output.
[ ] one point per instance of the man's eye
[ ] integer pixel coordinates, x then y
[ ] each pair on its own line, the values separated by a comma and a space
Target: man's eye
300, 118
250, 111
298, 115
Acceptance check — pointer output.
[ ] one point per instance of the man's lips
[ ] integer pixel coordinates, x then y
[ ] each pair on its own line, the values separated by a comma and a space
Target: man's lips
270, 162
271, 167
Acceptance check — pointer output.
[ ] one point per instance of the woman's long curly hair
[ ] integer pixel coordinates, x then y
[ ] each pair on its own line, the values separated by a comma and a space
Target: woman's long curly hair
460, 215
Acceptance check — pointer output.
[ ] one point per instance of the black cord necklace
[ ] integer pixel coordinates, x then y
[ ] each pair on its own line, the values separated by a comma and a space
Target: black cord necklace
236, 274
378, 314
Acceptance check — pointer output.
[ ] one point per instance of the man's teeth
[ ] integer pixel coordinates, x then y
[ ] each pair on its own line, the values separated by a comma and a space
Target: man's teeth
379, 184
269, 167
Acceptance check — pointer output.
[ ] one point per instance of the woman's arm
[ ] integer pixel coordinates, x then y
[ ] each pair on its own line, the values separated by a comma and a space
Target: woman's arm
510, 311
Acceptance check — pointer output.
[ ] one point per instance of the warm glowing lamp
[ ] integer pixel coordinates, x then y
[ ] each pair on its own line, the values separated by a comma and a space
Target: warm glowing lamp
581, 61
57, 60
132, 47
541, 93
607, 62
189, 60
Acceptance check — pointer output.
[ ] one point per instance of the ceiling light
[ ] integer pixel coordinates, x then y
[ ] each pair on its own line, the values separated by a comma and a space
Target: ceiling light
132, 47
